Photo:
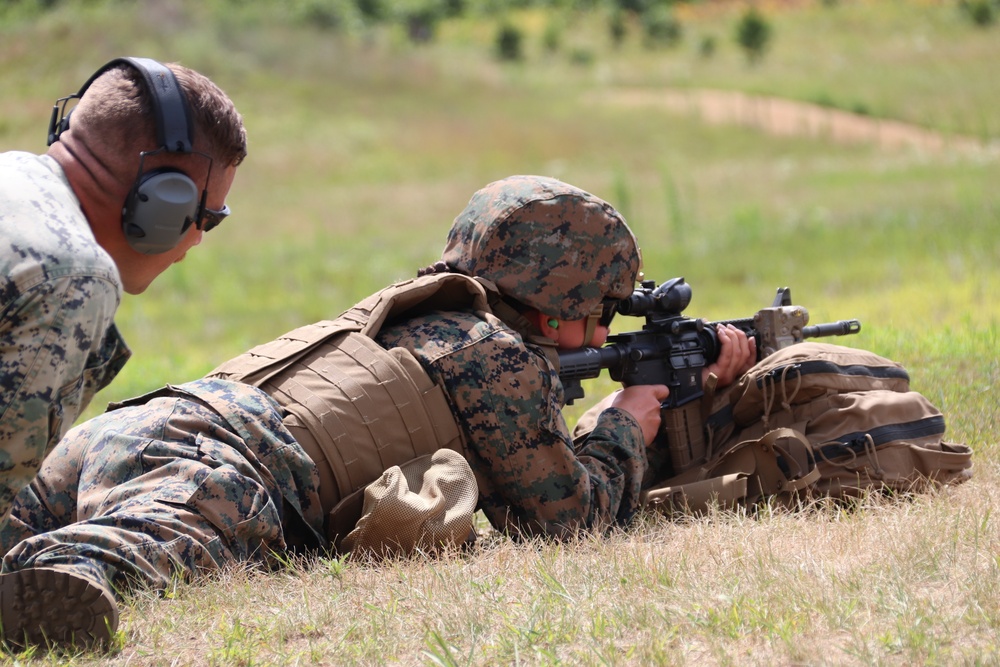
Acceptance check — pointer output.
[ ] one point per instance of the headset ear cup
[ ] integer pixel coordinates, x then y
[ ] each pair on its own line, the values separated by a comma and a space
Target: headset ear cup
57, 128
159, 210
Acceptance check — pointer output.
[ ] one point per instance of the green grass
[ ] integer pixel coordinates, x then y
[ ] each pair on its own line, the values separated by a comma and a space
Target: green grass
364, 148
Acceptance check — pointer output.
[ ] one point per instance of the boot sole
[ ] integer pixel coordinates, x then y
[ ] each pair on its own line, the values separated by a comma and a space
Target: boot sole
47, 607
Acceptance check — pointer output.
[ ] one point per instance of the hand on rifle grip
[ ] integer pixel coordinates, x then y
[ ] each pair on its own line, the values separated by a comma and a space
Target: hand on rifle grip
737, 355
643, 403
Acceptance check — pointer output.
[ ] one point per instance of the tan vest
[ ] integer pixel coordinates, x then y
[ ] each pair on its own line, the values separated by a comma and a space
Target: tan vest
356, 408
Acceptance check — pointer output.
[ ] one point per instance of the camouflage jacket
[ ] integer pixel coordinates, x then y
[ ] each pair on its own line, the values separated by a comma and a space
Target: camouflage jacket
508, 400
59, 291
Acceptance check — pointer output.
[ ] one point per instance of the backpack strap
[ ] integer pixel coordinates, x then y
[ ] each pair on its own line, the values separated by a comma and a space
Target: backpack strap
726, 491
780, 464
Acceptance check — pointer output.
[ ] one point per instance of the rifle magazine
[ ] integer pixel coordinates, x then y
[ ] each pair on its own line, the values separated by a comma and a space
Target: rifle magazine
685, 436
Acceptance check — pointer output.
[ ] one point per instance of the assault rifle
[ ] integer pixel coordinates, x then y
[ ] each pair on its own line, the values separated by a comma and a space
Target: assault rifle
672, 349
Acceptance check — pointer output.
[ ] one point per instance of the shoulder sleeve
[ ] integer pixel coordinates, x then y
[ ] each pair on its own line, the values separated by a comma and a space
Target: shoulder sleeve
59, 347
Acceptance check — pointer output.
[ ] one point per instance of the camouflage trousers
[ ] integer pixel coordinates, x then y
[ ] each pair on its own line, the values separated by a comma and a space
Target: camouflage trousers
166, 489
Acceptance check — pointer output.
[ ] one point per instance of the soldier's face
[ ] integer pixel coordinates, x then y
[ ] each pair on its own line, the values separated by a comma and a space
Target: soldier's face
572, 334
138, 271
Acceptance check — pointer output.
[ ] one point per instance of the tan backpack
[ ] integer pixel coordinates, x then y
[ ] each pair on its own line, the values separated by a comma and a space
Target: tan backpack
816, 419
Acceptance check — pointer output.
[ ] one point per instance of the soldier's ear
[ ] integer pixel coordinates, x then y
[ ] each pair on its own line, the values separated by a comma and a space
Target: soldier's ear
549, 326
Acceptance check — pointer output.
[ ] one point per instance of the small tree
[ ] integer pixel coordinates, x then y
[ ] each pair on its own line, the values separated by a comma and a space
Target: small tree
661, 27
508, 42
753, 33
982, 12
420, 18
372, 10
633, 6
617, 28
706, 47
420, 25
326, 15
453, 8
553, 36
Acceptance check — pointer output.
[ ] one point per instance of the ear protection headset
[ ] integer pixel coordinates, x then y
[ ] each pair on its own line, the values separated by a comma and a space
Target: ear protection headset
162, 203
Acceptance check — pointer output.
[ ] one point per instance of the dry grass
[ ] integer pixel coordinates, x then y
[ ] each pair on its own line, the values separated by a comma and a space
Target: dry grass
885, 582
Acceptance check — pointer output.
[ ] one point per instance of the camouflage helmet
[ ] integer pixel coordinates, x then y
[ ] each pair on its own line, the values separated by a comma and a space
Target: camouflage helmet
545, 243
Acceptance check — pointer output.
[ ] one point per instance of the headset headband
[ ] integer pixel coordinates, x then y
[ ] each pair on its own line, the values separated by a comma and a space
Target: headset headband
173, 127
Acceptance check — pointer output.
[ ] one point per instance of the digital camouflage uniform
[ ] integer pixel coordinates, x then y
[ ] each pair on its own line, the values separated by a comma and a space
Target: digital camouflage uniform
164, 487
508, 401
58, 297
169, 485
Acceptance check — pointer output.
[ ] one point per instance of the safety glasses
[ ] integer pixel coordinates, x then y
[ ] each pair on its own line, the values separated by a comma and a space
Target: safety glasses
210, 219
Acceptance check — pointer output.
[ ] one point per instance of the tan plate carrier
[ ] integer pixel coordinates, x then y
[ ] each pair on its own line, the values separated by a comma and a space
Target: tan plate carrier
356, 408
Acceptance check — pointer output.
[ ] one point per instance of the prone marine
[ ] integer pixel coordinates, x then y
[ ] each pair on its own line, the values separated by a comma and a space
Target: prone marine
380, 431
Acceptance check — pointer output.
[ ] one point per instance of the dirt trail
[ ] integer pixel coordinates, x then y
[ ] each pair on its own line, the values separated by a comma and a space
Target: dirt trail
783, 117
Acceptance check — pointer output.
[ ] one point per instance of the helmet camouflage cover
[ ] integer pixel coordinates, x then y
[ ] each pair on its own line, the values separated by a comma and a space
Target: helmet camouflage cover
549, 245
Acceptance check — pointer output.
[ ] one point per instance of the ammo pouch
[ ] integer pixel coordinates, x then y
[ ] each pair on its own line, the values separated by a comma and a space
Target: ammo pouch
682, 428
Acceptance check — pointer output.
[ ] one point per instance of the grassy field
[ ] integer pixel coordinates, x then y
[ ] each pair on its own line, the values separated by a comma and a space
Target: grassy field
363, 148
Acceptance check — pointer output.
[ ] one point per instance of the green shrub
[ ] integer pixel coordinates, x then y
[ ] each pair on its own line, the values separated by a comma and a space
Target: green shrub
552, 37
706, 47
583, 56
454, 8
509, 42
661, 27
617, 28
373, 10
753, 33
981, 12
633, 6
327, 14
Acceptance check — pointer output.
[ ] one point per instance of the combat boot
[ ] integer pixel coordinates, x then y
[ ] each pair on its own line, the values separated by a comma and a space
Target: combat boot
50, 607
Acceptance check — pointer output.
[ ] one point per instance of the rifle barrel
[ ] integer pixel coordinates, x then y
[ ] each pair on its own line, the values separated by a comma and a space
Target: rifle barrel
839, 328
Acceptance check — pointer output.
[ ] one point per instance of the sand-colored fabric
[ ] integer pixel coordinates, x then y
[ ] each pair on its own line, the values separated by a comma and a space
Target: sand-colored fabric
425, 504
356, 408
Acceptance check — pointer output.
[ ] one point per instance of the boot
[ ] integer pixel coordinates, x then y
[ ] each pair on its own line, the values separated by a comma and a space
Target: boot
49, 607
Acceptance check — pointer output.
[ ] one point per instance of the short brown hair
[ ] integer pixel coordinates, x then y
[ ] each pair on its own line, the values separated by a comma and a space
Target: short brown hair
214, 116
118, 109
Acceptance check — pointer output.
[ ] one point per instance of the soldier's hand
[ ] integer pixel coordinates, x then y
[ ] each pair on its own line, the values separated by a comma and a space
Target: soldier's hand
643, 403
737, 354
